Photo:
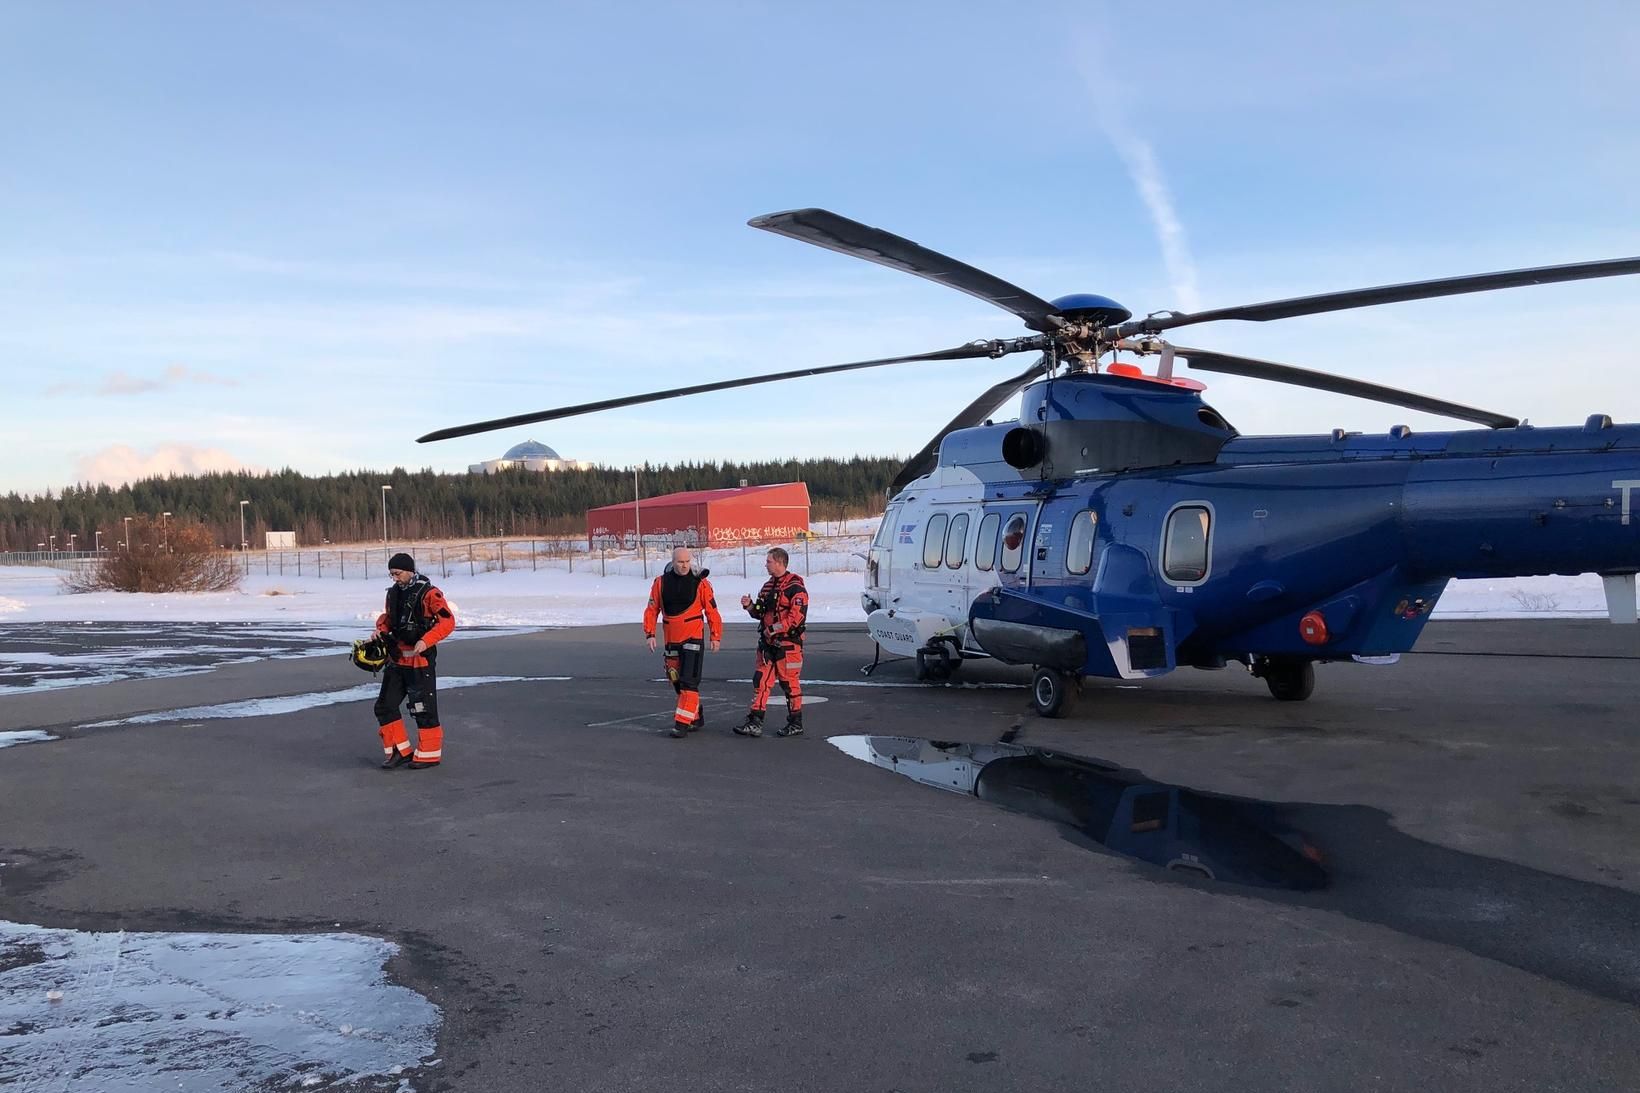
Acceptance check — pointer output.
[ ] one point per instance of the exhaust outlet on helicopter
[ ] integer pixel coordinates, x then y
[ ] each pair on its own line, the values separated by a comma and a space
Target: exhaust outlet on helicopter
1023, 448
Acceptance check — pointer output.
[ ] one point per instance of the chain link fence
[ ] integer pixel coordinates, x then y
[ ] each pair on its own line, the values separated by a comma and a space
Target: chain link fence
610, 558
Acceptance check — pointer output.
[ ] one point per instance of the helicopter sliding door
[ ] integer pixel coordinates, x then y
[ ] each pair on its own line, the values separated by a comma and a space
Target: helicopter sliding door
940, 574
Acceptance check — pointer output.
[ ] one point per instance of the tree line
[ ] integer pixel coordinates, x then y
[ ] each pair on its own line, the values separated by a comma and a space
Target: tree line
423, 504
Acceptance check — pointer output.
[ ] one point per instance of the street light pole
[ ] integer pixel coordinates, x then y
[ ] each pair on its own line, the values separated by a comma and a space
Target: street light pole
637, 520
165, 531
96, 545
242, 543
71, 537
127, 543
384, 514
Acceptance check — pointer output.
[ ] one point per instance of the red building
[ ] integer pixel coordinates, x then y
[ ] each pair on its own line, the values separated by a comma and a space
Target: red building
714, 518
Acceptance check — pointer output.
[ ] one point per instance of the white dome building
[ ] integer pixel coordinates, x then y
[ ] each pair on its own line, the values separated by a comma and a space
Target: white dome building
532, 455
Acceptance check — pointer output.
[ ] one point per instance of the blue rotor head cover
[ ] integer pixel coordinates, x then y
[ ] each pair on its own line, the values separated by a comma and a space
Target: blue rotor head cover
1090, 307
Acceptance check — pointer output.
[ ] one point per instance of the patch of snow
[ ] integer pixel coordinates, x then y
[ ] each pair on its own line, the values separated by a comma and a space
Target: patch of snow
284, 704
584, 598
24, 736
127, 1012
515, 598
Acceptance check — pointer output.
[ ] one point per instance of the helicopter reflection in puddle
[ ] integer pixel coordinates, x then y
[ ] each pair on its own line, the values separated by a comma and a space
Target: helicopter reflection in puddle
1182, 830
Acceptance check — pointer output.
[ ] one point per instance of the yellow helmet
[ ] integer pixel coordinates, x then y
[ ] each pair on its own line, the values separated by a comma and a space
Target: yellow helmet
369, 654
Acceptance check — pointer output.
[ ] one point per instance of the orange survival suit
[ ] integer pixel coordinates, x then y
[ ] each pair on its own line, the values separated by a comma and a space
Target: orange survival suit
782, 612
690, 609
414, 612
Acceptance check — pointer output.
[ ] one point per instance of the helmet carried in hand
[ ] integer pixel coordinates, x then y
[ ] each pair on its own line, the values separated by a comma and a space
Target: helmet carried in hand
369, 654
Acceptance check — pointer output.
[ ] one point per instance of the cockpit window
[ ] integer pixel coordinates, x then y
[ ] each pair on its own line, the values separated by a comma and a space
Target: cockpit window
1013, 543
885, 530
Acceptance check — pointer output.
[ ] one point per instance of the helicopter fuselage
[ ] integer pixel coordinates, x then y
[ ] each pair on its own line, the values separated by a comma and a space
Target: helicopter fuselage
1122, 529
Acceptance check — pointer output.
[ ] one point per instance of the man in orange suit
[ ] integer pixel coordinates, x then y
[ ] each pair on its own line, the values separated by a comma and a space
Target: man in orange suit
683, 597
416, 619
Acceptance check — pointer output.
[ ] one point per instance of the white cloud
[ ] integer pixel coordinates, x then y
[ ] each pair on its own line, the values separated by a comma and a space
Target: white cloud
120, 463
120, 382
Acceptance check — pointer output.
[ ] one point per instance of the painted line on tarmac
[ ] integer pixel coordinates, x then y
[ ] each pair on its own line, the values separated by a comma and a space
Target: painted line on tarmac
916, 686
774, 700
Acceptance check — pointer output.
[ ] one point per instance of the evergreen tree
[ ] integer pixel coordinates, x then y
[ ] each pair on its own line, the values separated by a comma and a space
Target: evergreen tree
423, 504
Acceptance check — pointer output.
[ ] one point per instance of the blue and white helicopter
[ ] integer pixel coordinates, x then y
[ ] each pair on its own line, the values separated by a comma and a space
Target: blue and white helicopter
1122, 528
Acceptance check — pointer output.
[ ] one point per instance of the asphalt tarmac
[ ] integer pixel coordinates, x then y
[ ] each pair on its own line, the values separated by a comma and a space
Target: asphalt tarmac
596, 906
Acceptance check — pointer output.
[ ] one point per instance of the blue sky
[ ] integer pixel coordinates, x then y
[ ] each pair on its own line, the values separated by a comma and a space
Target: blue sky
304, 234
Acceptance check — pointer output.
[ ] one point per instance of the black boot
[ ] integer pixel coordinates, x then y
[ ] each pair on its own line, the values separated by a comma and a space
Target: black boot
396, 760
793, 725
753, 725
679, 730
700, 721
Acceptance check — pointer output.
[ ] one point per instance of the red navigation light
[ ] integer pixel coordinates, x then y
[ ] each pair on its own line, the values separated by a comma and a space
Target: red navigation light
1313, 628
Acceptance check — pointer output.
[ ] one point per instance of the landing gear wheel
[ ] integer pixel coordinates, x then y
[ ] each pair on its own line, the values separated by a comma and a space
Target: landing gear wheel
1053, 693
1289, 680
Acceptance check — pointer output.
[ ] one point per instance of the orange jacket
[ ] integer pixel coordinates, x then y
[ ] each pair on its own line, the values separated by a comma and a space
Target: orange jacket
435, 620
688, 604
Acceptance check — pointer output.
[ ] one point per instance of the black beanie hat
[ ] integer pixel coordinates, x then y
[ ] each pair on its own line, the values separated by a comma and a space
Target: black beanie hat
402, 561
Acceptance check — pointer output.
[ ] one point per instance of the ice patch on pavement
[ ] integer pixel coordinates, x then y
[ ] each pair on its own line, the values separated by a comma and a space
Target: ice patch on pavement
24, 736
123, 1013
284, 704
42, 656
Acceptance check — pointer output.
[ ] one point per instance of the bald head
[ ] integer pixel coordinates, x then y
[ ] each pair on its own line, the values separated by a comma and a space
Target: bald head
681, 561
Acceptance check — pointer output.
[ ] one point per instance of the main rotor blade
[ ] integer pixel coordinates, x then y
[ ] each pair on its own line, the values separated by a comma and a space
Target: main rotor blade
972, 414
1322, 381
845, 236
961, 352
1388, 294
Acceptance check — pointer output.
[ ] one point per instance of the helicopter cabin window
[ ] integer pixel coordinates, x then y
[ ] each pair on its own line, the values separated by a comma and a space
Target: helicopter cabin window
1013, 543
1184, 547
956, 541
985, 547
934, 540
1079, 551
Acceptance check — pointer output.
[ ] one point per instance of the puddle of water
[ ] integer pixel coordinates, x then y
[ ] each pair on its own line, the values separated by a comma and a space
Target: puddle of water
105, 1012
1177, 828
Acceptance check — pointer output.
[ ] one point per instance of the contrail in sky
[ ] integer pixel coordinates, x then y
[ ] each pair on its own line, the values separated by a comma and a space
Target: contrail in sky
1147, 177
1146, 173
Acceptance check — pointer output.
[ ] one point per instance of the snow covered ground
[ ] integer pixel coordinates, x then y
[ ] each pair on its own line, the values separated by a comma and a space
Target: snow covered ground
108, 1012
558, 598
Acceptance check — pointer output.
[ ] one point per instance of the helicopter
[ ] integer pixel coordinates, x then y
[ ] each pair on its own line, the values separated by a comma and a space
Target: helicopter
1122, 528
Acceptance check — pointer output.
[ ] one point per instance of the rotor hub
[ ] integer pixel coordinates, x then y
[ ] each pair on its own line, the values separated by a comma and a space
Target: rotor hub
1095, 310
